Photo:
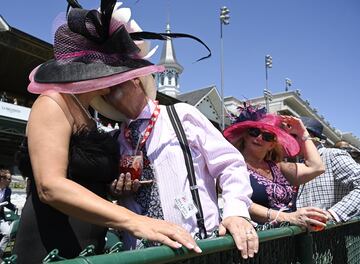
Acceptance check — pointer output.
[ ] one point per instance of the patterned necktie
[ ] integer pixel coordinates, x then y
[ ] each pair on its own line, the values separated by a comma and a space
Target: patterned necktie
148, 194
135, 132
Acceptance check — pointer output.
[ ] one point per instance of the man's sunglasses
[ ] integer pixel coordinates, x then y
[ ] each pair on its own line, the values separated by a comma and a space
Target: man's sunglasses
266, 136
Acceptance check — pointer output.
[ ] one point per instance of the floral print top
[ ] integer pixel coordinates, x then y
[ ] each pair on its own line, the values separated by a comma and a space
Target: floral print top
273, 193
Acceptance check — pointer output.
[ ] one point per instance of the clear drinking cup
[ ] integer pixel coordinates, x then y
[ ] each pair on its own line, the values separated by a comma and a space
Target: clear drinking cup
317, 227
132, 164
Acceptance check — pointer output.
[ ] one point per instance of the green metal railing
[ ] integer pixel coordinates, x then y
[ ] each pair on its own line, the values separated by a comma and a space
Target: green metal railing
338, 243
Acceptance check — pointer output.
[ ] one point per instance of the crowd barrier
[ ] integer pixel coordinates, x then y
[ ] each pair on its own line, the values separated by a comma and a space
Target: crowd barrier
338, 243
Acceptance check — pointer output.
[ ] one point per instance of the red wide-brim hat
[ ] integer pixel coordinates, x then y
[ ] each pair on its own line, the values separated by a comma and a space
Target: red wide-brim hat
268, 122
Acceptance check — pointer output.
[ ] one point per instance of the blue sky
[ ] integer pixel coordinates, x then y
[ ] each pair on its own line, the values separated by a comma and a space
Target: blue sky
315, 43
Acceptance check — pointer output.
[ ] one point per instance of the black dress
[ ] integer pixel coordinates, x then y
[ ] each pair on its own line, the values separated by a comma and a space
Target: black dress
93, 163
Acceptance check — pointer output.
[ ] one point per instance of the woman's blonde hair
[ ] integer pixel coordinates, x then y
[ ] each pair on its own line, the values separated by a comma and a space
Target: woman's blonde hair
276, 154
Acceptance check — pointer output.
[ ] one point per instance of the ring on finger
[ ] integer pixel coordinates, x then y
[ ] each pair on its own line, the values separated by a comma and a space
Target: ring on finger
249, 234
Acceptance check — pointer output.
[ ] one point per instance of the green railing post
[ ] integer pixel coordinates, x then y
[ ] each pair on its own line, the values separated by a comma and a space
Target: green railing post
304, 248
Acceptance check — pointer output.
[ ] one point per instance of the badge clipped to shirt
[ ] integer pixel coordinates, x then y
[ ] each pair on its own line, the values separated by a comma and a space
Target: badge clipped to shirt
186, 205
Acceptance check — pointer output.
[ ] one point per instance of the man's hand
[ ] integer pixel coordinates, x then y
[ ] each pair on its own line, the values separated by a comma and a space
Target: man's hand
124, 185
244, 234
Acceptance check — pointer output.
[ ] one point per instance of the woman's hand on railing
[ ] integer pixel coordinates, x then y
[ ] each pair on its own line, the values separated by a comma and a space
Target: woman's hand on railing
244, 234
163, 232
312, 218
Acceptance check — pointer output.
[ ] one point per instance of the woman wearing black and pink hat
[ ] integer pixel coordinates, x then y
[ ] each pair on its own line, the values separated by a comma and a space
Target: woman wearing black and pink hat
69, 162
264, 140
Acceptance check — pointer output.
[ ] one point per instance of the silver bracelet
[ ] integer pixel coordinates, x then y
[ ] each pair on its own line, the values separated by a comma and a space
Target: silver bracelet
268, 215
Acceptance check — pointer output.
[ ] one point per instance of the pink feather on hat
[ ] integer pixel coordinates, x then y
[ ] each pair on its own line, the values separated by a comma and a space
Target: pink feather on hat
251, 116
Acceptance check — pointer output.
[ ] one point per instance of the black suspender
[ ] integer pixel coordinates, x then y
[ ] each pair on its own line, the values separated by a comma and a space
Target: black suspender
175, 121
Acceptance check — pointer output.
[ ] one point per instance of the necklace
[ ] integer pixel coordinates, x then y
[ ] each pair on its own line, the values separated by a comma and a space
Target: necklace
83, 108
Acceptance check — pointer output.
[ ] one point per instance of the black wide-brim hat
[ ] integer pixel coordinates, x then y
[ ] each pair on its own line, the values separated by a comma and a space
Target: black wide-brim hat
94, 50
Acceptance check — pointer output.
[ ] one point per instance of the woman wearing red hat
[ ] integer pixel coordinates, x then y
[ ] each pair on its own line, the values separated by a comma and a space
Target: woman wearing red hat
264, 140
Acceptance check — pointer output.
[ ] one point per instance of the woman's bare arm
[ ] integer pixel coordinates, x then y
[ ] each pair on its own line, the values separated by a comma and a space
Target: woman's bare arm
300, 173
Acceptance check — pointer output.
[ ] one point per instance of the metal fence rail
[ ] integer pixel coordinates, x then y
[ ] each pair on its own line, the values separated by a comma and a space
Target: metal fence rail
338, 243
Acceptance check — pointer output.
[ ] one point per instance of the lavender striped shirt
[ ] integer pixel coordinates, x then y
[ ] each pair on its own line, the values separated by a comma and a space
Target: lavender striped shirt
212, 156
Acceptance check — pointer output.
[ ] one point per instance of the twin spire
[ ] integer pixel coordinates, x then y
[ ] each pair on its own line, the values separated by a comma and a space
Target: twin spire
168, 81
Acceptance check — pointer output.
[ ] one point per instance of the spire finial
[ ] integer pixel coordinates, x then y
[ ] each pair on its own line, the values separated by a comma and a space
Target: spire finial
168, 12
